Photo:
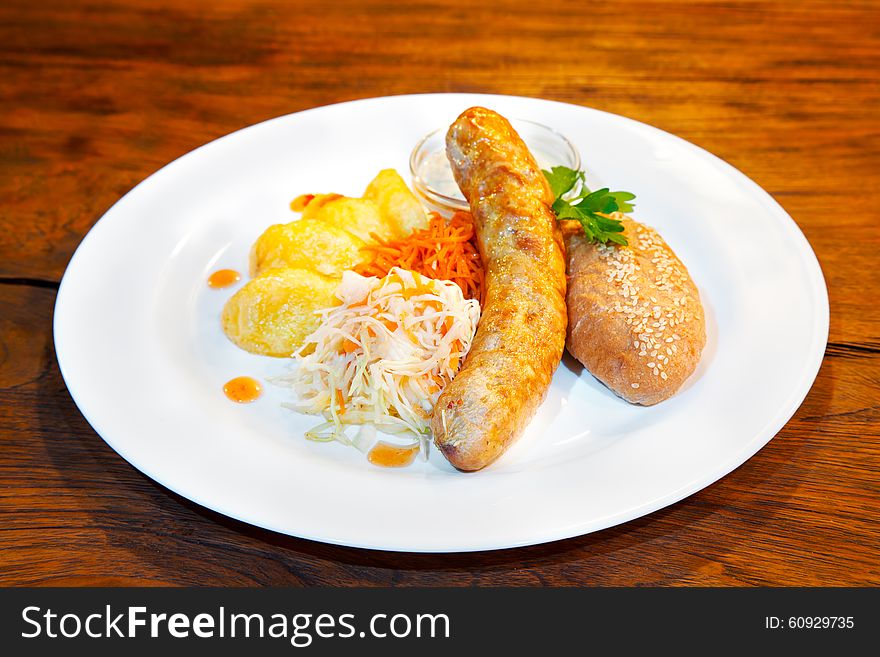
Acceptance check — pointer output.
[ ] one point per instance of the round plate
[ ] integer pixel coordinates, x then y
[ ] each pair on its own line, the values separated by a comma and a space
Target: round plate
140, 346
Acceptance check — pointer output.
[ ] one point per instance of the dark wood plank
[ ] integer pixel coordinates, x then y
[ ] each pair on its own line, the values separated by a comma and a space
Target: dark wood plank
98, 95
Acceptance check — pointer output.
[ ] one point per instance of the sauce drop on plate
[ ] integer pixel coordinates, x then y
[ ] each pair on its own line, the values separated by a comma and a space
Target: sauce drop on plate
387, 455
223, 278
243, 389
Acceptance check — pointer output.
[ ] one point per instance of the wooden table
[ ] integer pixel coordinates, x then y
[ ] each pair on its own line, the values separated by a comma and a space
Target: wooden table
97, 95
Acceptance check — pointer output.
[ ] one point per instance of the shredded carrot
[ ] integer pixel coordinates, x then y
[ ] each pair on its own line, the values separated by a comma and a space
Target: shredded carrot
443, 250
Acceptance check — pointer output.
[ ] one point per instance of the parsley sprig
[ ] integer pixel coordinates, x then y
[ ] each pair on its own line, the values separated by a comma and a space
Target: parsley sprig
574, 200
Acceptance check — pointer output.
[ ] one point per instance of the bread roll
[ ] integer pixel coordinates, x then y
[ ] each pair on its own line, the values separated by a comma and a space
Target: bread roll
634, 315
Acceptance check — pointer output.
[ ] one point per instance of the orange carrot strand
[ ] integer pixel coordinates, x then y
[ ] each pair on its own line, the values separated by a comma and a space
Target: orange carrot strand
445, 250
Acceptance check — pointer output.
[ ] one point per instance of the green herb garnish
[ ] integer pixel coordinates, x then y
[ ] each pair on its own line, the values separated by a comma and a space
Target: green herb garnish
574, 200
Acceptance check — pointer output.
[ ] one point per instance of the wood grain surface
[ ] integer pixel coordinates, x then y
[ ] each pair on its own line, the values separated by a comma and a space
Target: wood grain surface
97, 95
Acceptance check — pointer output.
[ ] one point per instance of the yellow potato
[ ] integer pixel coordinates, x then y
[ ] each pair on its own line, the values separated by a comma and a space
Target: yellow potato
308, 244
359, 216
396, 202
273, 313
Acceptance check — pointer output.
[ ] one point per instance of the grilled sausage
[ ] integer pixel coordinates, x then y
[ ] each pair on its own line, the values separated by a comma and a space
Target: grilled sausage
521, 334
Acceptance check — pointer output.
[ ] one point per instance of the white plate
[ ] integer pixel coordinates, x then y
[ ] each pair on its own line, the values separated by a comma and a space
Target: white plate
140, 346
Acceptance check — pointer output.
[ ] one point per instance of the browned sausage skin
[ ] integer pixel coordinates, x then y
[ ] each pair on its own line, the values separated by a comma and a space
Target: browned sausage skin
521, 335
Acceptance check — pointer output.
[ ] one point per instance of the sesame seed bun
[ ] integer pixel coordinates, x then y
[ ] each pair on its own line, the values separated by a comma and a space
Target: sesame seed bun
635, 319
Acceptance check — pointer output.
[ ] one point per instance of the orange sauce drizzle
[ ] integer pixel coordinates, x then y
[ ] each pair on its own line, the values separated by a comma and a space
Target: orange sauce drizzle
386, 455
243, 389
300, 202
223, 278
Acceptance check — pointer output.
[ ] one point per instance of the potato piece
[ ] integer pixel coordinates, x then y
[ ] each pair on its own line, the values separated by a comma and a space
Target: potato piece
358, 216
396, 202
273, 313
308, 244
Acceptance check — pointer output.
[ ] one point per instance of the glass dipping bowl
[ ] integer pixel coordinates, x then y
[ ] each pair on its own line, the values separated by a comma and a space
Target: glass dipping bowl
432, 176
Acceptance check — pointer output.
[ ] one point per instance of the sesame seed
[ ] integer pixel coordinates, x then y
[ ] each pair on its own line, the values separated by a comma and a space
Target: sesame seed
663, 376
656, 371
634, 385
652, 365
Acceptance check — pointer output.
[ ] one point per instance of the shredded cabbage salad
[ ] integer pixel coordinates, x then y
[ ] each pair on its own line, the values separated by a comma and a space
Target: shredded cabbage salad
381, 358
